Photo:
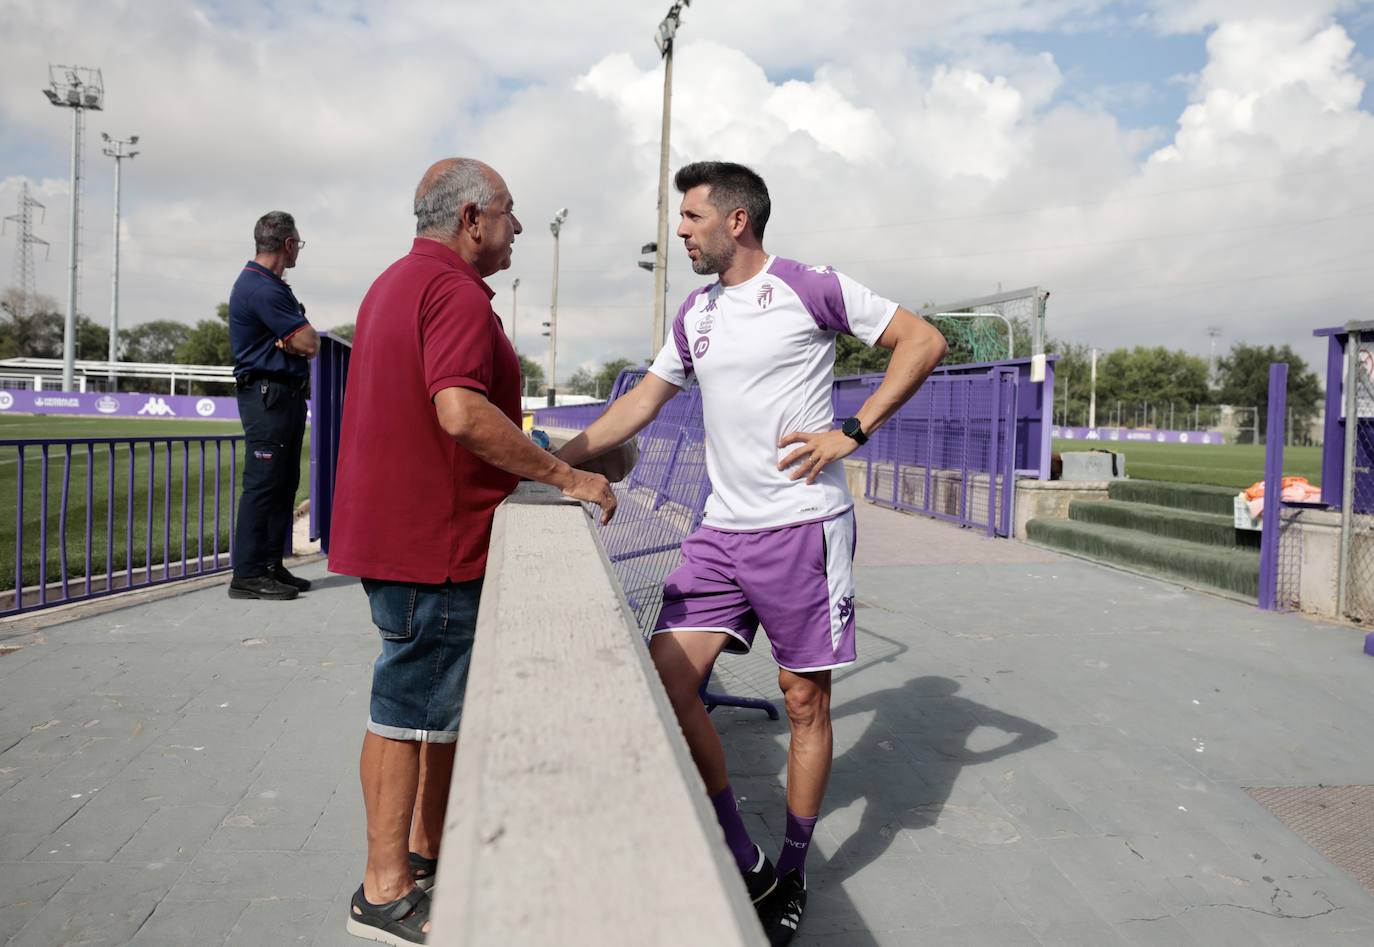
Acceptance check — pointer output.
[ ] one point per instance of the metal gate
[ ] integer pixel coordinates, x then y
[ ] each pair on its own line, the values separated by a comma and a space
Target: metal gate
949, 452
1357, 481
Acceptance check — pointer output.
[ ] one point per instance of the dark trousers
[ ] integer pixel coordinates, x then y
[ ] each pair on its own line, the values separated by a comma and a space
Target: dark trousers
273, 415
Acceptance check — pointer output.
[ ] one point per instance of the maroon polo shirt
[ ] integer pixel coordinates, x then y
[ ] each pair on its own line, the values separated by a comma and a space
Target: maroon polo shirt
411, 504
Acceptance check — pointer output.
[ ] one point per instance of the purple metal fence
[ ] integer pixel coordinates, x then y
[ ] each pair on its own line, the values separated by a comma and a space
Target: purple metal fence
572, 416
47, 574
1273, 489
328, 380
950, 452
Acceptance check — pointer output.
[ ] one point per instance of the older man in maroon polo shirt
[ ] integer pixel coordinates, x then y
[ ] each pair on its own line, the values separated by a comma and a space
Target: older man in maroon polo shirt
431, 444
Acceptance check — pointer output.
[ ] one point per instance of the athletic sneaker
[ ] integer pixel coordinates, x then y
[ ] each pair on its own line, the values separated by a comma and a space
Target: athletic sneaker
781, 913
761, 879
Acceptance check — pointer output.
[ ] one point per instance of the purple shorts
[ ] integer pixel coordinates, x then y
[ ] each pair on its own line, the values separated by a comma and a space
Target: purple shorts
797, 581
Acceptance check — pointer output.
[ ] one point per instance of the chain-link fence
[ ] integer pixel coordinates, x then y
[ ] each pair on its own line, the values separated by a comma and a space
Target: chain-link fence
1357, 501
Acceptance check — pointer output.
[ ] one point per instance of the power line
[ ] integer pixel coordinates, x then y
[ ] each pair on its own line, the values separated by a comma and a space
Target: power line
24, 242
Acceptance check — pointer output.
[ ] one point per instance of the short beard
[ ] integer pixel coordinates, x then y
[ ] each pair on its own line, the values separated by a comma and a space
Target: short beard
713, 263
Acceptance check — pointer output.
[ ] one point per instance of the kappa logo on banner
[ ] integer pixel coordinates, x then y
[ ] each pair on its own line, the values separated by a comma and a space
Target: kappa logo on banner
6, 401
107, 405
205, 407
158, 408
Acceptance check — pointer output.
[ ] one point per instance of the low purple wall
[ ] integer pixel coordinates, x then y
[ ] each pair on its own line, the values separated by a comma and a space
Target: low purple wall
1135, 436
121, 405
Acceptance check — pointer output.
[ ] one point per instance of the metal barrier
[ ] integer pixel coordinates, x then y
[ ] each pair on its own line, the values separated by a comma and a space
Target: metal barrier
572, 416
949, 452
328, 381
118, 477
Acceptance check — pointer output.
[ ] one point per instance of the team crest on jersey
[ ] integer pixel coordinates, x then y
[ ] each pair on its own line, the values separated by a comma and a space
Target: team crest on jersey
702, 344
706, 323
765, 297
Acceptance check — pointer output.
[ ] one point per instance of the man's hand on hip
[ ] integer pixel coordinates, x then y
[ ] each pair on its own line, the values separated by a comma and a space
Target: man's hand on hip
816, 451
591, 488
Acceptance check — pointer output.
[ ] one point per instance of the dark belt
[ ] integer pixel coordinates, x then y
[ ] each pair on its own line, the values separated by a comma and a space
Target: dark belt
294, 382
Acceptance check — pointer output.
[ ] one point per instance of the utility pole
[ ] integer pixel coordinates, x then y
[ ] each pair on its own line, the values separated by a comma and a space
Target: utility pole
1092, 396
114, 148
1213, 333
76, 88
23, 249
555, 227
515, 284
667, 30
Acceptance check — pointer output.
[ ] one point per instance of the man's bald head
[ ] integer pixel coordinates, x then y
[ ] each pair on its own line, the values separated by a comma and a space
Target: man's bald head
448, 185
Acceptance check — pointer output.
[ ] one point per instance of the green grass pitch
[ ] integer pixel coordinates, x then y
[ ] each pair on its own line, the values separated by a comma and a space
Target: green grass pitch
1223, 465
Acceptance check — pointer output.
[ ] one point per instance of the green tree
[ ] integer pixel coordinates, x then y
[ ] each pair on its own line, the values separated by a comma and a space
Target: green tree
852, 357
344, 332
531, 377
92, 341
1244, 378
1151, 376
156, 341
30, 328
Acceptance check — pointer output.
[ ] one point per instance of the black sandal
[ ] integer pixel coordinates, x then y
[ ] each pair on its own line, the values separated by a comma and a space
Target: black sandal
398, 922
423, 869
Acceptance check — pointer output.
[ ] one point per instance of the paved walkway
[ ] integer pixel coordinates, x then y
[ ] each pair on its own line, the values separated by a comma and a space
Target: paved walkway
1032, 750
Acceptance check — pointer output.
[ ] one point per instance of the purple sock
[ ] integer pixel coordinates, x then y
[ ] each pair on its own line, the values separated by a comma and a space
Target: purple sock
736, 835
795, 844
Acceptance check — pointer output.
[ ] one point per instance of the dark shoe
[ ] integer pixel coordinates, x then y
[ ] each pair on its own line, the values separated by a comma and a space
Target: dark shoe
261, 586
781, 912
397, 922
423, 869
761, 879
279, 573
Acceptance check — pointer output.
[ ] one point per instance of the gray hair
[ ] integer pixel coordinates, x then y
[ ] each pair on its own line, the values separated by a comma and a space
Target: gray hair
466, 182
272, 231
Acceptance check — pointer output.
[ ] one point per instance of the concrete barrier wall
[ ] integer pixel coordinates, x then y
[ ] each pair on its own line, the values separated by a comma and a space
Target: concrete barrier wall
576, 815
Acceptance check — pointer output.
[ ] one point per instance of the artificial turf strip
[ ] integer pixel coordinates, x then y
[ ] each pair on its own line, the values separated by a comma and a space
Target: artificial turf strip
1212, 529
1180, 496
1190, 563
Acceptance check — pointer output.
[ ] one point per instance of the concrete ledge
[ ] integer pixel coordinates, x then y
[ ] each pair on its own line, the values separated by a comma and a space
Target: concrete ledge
572, 779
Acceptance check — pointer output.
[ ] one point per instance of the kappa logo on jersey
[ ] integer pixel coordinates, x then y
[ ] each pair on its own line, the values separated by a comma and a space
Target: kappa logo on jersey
710, 305
157, 408
706, 323
702, 344
765, 297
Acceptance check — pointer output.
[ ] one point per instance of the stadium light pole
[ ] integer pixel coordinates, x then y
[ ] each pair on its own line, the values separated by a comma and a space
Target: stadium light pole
555, 227
76, 88
515, 285
1092, 395
114, 148
667, 31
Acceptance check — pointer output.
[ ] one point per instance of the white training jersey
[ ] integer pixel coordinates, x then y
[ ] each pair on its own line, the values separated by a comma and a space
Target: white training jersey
763, 353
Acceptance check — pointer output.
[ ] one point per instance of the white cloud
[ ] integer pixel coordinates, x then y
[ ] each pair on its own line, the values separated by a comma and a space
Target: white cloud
911, 144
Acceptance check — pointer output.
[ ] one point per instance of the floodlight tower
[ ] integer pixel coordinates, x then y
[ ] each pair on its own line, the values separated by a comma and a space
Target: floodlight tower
114, 148
555, 227
77, 88
667, 31
23, 249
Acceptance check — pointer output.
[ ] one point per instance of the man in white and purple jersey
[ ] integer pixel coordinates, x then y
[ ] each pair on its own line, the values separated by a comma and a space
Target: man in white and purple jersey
777, 542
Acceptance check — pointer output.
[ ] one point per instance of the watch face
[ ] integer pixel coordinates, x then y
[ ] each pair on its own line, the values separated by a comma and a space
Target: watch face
850, 426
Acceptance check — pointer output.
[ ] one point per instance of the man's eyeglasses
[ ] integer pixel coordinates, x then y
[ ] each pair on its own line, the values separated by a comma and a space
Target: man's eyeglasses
300, 244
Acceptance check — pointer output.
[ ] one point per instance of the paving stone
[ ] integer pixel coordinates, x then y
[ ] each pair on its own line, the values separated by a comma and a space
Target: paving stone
296, 921
101, 904
171, 834
225, 876
24, 888
180, 923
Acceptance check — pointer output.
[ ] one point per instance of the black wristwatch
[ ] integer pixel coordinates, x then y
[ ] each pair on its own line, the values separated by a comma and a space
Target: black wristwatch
851, 427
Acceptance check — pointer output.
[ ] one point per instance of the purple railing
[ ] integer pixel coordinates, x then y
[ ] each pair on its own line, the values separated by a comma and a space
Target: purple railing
1273, 486
134, 498
572, 416
949, 452
328, 380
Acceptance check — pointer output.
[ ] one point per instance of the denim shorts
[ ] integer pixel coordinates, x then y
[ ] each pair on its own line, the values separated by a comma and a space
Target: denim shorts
419, 678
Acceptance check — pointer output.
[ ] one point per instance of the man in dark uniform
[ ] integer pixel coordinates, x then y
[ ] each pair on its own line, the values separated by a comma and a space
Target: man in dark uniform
273, 344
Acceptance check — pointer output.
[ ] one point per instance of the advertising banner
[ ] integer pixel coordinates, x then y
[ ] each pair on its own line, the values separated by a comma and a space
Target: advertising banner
1132, 435
124, 404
